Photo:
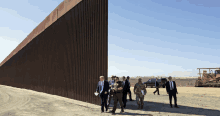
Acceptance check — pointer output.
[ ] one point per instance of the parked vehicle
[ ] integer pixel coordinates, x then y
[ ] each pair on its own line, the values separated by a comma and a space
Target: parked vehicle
151, 82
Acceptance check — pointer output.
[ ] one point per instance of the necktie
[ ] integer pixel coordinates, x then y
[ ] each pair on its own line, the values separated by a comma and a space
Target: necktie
102, 87
172, 85
171, 88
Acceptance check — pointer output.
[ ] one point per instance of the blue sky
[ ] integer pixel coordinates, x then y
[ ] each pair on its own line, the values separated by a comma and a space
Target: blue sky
145, 37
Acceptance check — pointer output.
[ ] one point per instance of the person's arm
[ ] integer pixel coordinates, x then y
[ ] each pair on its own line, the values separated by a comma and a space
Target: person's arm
135, 88
145, 90
97, 89
167, 87
121, 86
108, 85
175, 87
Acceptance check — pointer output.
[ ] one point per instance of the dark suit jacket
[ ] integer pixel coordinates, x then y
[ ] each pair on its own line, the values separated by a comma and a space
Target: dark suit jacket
157, 84
105, 89
168, 87
126, 86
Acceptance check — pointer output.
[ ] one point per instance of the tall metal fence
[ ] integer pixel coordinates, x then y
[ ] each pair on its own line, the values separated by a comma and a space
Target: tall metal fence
67, 58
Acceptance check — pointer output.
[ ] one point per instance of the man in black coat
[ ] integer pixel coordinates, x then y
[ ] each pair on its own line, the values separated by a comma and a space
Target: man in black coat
172, 91
103, 90
129, 90
125, 90
157, 87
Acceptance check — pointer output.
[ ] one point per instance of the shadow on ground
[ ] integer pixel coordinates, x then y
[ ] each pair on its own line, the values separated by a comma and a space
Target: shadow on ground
161, 107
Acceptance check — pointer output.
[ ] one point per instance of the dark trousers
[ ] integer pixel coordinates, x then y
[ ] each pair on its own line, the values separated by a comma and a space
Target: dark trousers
110, 97
157, 90
129, 91
172, 94
124, 98
117, 97
103, 101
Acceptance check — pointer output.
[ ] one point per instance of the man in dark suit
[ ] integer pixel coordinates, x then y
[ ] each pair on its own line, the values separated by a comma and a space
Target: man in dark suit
157, 87
118, 89
103, 90
125, 90
172, 91
129, 90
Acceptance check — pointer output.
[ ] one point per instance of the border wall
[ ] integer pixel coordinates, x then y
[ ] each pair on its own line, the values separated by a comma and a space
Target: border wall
65, 54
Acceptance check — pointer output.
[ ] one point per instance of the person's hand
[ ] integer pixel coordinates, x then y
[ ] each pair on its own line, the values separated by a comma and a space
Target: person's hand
106, 92
167, 92
176, 92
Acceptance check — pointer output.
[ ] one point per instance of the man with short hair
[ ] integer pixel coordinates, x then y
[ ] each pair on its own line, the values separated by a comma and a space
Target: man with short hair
125, 90
172, 91
157, 87
129, 90
140, 91
102, 89
118, 89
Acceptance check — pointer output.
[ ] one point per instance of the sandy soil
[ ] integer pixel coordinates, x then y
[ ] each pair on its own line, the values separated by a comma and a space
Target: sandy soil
191, 100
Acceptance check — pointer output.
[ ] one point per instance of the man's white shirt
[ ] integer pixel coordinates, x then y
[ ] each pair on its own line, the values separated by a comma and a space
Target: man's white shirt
102, 84
171, 85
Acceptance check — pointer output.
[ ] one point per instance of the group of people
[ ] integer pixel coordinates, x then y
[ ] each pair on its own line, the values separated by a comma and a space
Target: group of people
120, 89
116, 89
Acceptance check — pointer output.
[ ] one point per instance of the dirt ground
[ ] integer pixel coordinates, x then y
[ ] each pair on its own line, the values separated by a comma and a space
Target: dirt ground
191, 100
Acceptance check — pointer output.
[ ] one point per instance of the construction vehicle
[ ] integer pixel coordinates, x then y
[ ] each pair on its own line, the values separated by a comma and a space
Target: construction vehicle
211, 79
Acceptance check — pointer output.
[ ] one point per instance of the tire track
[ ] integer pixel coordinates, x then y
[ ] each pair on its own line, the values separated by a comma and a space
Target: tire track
12, 99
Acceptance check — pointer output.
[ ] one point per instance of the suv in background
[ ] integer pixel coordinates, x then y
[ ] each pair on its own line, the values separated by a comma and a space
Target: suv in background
151, 82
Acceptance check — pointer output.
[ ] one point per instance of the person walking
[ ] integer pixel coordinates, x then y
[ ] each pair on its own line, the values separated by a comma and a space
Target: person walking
111, 84
117, 94
129, 90
125, 90
172, 91
140, 91
102, 89
157, 87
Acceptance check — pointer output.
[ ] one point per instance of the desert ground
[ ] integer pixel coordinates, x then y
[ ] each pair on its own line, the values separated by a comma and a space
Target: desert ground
191, 100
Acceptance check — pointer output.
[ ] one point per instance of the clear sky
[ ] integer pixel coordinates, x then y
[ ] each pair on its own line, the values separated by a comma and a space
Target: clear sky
145, 37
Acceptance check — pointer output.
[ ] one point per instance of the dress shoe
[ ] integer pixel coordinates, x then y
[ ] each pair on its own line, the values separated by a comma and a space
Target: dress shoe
154, 93
158, 94
122, 111
113, 113
102, 112
131, 100
176, 107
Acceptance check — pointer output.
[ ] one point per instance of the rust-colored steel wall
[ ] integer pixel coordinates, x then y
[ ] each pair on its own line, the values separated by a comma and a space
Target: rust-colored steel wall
67, 58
